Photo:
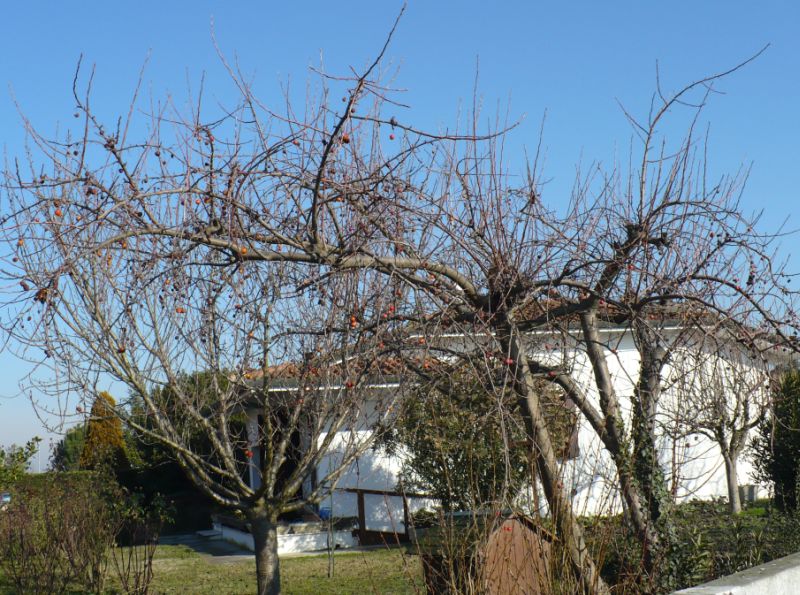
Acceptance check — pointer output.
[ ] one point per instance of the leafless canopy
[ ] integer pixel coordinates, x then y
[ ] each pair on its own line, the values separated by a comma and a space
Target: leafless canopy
269, 236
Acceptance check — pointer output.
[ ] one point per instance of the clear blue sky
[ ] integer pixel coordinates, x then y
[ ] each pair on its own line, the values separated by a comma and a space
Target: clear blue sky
571, 59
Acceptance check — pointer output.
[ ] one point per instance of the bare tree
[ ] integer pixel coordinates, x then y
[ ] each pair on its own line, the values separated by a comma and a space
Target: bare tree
721, 393
206, 337
224, 243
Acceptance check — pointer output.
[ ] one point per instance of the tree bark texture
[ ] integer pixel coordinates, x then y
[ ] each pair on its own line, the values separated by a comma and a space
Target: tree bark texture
569, 529
641, 480
264, 528
731, 475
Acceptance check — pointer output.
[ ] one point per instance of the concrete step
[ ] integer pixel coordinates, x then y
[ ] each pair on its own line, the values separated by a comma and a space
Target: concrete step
174, 539
209, 534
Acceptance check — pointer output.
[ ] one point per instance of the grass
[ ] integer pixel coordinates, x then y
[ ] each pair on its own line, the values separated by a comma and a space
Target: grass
181, 570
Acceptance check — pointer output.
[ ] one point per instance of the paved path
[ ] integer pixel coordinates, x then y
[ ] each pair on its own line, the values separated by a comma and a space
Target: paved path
219, 550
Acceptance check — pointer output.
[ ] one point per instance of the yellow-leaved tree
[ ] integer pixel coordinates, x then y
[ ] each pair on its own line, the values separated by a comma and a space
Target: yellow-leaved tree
104, 444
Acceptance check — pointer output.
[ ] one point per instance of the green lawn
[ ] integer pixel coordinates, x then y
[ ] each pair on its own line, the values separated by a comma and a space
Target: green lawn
178, 569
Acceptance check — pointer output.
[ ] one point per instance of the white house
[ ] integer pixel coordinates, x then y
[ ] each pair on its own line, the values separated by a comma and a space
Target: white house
692, 461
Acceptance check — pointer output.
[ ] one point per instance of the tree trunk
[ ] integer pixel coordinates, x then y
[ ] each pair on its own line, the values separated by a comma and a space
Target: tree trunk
647, 392
649, 479
263, 526
567, 525
639, 507
734, 501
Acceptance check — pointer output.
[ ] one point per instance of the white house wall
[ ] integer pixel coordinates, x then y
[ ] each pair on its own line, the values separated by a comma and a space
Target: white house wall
375, 470
693, 464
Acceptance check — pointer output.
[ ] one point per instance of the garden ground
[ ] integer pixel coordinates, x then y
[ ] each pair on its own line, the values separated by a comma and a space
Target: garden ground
179, 569
710, 542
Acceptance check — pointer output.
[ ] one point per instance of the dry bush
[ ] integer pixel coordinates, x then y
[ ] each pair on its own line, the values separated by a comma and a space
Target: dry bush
133, 564
59, 529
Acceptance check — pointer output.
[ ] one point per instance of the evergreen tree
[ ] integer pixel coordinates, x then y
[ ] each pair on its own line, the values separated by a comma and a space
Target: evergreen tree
67, 452
776, 447
104, 444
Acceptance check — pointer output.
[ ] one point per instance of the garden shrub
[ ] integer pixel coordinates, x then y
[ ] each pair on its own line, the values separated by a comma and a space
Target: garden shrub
133, 564
14, 461
59, 530
775, 449
30, 559
463, 441
708, 543
56, 530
